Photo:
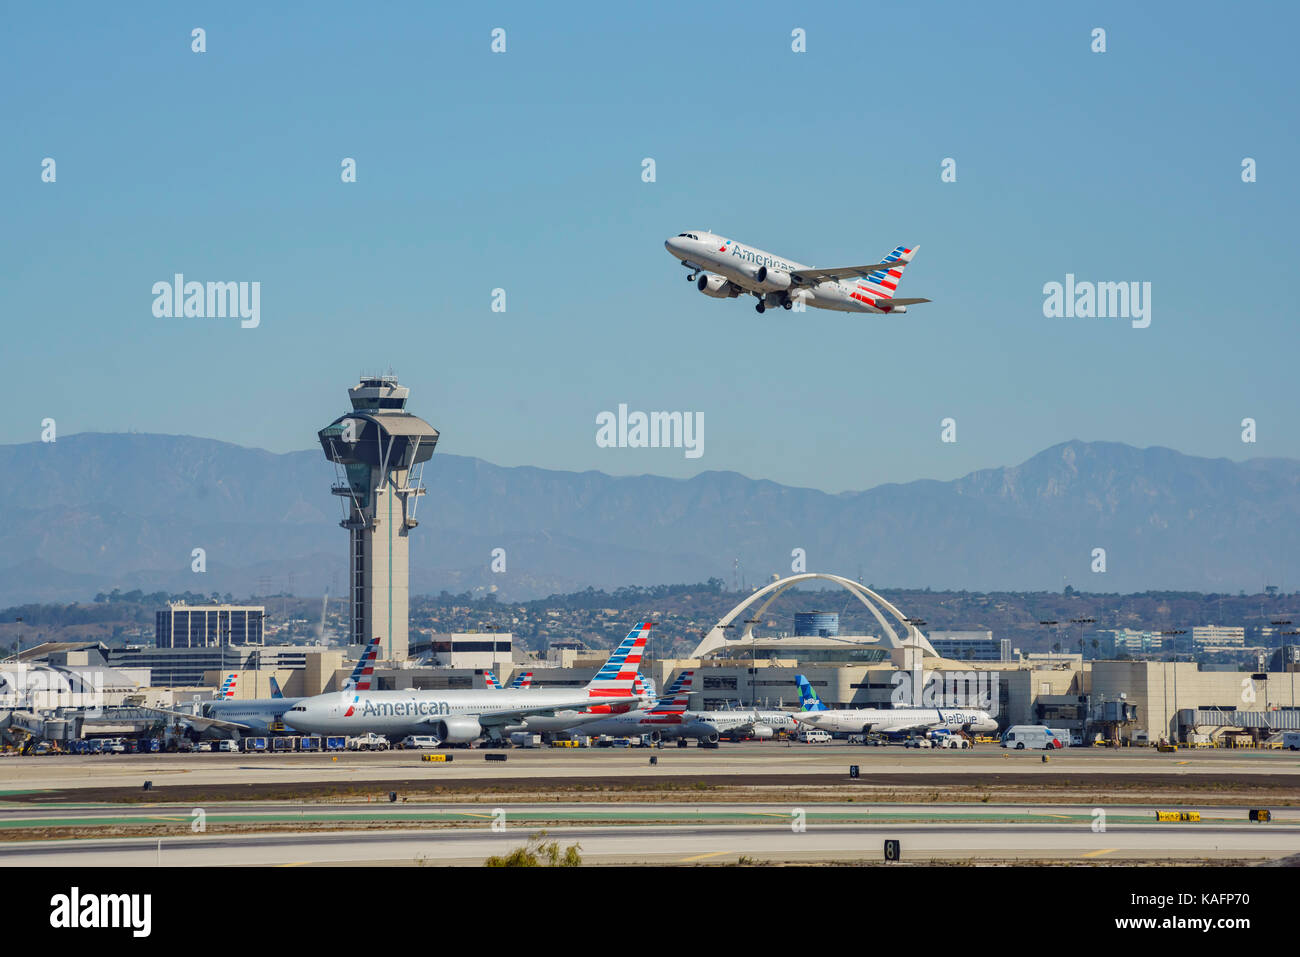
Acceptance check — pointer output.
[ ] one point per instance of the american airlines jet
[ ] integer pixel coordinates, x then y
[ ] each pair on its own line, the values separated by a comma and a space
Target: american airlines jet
462, 716
233, 717
723, 268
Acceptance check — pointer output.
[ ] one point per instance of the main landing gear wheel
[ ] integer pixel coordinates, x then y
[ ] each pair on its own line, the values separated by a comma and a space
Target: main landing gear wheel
760, 308
787, 304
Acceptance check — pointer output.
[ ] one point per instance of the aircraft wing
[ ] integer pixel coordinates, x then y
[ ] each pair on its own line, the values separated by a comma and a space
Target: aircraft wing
200, 723
899, 302
810, 277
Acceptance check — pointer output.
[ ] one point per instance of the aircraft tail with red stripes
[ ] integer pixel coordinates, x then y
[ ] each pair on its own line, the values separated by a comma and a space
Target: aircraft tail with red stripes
619, 675
363, 673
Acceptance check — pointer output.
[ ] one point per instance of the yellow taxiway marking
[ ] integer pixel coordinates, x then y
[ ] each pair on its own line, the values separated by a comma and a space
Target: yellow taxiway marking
294, 864
700, 857
1108, 850
1182, 762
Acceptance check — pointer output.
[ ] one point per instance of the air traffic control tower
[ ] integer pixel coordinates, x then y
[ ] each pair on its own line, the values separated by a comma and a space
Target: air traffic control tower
379, 450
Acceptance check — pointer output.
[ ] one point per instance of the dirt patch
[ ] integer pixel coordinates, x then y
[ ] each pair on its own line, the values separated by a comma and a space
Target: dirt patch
945, 787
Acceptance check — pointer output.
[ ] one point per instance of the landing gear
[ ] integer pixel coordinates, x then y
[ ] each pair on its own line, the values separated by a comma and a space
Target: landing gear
787, 303
761, 307
691, 277
682, 743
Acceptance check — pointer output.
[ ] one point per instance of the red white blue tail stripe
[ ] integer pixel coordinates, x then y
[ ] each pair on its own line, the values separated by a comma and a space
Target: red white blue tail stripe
677, 697
228, 686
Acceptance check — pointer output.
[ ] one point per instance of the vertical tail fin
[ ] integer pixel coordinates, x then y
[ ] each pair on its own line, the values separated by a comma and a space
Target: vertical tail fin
883, 284
361, 675
808, 700
228, 686
523, 680
275, 688
490, 680
678, 695
617, 677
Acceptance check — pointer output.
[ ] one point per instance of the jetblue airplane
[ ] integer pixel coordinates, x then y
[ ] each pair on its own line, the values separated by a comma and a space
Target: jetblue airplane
815, 714
723, 268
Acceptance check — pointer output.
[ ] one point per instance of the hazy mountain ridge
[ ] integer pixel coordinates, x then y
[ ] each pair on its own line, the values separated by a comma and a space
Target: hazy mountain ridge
99, 511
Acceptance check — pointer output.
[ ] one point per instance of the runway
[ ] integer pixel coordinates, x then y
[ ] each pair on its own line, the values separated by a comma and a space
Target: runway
749, 763
688, 844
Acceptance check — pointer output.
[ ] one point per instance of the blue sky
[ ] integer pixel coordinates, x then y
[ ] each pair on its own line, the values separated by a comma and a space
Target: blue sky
523, 171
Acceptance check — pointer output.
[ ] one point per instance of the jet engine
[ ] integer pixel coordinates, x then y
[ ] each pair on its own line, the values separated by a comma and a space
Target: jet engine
772, 280
761, 732
716, 286
456, 730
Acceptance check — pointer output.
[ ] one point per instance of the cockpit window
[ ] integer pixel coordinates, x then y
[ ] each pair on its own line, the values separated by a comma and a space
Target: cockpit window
687, 236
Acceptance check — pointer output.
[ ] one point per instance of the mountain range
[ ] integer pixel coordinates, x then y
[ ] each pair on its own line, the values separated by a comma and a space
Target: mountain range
100, 510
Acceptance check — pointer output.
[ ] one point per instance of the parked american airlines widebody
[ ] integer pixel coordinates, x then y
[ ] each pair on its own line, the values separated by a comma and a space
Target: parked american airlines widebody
233, 717
723, 268
462, 716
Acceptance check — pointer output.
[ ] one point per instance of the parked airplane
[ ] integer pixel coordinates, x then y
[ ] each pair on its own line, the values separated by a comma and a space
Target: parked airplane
726, 268
754, 723
888, 720
461, 716
522, 680
228, 716
663, 719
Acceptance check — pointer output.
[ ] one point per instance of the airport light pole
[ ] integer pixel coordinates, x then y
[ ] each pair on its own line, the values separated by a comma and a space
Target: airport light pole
918, 671
1174, 633
1081, 622
753, 666
1050, 621
1294, 660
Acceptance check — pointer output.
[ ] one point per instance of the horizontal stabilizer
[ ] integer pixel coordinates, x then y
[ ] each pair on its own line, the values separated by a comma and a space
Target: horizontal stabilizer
898, 302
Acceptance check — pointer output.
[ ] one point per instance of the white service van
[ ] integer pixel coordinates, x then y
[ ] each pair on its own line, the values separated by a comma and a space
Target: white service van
813, 736
1033, 736
419, 741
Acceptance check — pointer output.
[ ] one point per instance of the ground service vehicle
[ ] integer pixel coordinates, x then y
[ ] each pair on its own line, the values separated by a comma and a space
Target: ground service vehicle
1032, 736
419, 741
1291, 740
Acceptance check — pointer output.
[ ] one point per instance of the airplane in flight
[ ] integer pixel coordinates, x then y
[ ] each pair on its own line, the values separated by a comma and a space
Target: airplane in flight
724, 269
815, 714
461, 716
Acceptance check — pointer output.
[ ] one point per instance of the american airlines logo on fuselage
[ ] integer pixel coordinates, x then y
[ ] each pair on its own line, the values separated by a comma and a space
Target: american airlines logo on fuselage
757, 258
403, 709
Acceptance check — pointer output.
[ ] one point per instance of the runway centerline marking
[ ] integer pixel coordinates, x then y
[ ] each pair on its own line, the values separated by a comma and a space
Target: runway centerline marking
1108, 850
700, 857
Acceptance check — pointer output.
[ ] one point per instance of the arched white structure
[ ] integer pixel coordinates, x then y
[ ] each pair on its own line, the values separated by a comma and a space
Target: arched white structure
913, 641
